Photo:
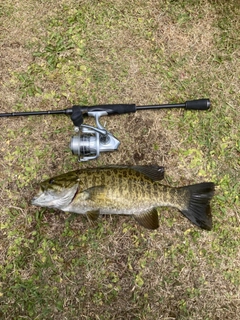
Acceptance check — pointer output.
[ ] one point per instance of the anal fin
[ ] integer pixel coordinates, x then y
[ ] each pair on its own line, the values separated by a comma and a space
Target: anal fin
148, 219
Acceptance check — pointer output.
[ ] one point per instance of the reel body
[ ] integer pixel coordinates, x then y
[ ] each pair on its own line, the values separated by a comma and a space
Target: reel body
90, 141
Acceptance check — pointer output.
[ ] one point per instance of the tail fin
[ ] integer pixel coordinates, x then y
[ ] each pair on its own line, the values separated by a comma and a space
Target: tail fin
198, 210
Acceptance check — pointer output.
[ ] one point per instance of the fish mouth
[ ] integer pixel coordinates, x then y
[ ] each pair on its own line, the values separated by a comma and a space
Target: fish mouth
34, 200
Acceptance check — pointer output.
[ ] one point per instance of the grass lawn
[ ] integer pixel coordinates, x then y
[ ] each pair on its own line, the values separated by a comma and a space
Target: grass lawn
55, 54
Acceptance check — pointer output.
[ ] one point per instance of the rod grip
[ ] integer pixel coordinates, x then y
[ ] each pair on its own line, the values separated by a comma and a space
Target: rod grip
201, 104
113, 108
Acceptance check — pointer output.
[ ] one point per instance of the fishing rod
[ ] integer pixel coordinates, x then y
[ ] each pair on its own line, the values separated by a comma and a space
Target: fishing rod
90, 141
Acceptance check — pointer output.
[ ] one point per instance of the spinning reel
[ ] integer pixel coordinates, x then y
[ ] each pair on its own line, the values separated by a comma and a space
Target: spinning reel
91, 141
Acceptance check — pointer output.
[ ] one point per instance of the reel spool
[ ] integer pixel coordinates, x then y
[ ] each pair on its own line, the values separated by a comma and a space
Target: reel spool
90, 141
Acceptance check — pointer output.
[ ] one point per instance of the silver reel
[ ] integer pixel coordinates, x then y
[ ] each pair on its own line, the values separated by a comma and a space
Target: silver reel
90, 141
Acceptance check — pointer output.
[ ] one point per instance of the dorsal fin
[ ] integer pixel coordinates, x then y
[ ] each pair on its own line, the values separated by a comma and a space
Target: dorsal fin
154, 173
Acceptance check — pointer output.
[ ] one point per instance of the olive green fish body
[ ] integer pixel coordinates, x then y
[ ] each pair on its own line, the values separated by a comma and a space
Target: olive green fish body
125, 190
129, 199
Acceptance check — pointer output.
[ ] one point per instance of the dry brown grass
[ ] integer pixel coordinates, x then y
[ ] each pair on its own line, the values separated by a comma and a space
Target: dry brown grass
53, 267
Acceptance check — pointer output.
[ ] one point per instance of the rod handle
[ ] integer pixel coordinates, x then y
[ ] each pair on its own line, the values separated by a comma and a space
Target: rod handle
201, 104
113, 108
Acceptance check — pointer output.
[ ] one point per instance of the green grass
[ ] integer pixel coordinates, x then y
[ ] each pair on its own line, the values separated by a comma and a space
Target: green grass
55, 265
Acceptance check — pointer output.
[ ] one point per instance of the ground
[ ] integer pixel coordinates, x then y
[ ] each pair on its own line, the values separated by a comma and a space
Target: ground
57, 54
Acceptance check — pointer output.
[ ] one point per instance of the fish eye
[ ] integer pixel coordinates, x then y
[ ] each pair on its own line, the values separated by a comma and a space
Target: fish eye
51, 181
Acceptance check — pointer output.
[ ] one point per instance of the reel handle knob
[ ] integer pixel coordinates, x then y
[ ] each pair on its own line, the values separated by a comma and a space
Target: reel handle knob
201, 104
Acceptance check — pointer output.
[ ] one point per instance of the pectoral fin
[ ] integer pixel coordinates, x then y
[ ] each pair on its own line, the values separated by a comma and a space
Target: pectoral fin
148, 219
93, 215
97, 194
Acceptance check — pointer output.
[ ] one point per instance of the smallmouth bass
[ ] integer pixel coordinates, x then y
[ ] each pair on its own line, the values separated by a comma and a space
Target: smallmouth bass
127, 190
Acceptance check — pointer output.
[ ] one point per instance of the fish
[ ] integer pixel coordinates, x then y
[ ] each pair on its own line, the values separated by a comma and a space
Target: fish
125, 190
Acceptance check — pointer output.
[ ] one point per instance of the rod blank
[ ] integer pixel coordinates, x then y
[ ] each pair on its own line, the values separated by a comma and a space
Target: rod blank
201, 104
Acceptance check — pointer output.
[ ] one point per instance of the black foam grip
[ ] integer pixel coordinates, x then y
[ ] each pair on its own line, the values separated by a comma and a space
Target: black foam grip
201, 104
76, 116
113, 108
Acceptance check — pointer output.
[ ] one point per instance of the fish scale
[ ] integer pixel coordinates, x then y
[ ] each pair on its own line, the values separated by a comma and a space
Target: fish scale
134, 190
